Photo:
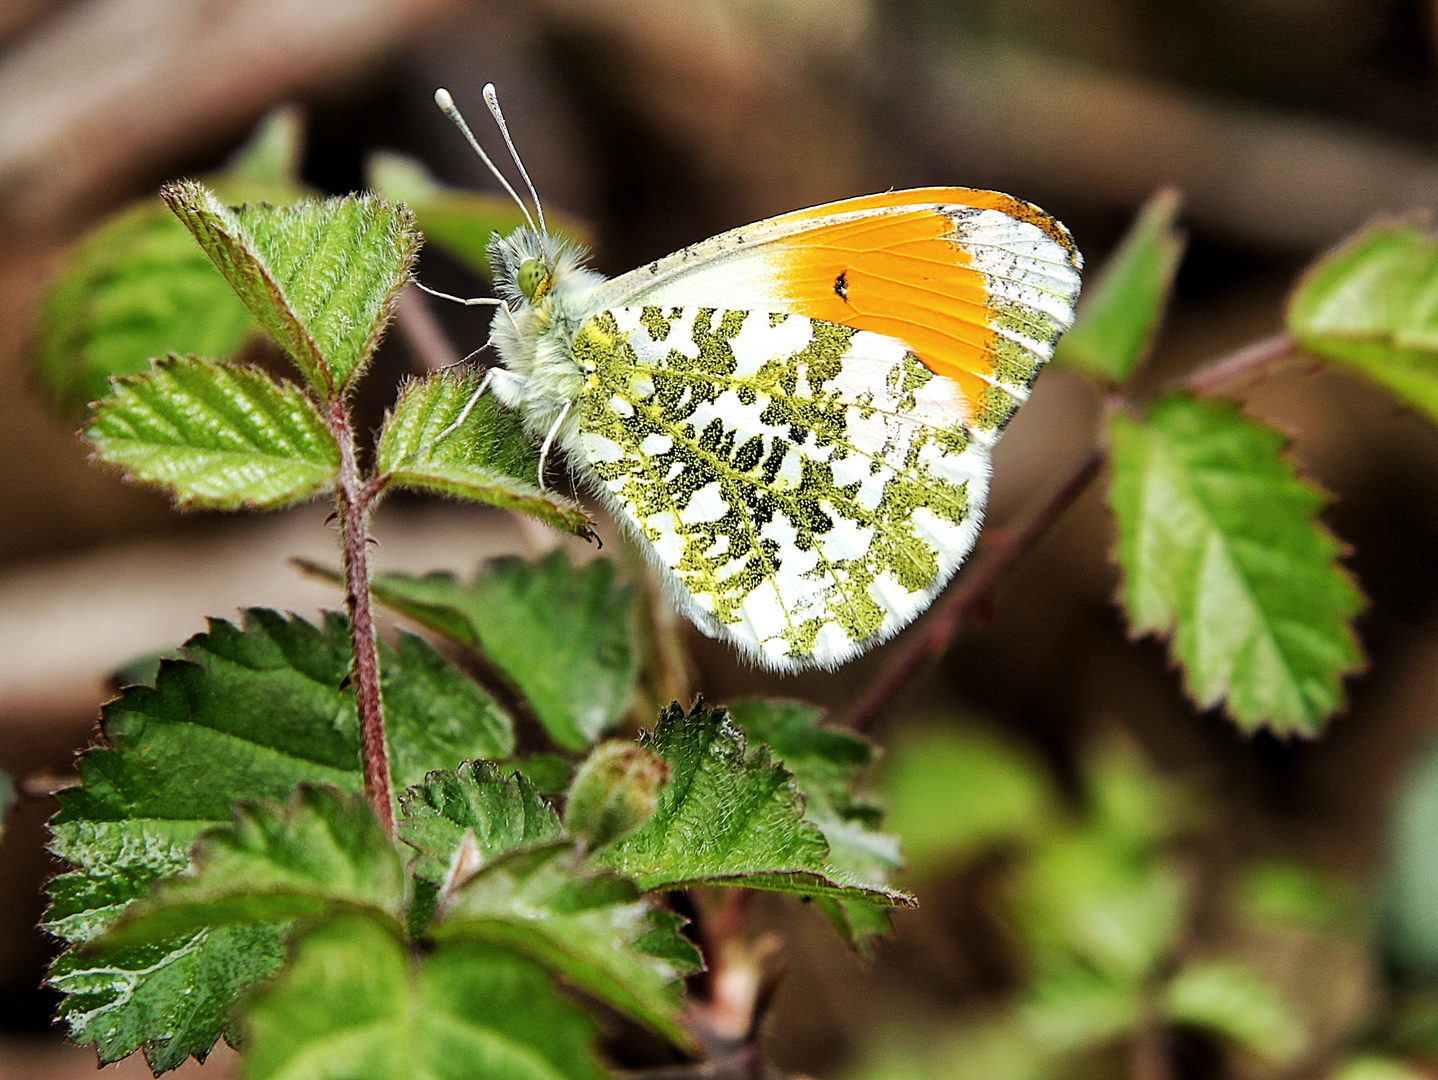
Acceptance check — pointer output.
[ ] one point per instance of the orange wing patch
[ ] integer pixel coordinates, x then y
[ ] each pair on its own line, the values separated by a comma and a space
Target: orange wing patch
898, 270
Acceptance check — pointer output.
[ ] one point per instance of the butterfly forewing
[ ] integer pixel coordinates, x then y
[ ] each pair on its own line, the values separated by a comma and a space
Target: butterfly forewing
807, 487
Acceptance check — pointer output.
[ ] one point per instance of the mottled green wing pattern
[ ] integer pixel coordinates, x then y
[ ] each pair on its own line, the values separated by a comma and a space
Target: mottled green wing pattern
806, 489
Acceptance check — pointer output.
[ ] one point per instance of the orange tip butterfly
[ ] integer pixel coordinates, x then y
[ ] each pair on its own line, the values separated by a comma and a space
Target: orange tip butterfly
793, 419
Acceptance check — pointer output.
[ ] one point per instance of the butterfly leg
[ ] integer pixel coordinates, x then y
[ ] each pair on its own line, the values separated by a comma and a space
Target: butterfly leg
549, 441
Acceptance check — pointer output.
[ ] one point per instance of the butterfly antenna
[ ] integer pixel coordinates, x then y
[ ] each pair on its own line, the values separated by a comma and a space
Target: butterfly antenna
447, 106
491, 98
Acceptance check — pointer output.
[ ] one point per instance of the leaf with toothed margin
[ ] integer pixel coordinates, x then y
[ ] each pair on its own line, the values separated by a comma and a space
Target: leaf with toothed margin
272, 702
580, 922
355, 1003
1221, 547
828, 763
217, 436
504, 812
488, 457
560, 632
321, 276
322, 854
729, 816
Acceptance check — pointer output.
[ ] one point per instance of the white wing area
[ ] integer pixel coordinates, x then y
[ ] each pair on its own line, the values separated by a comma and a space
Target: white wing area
805, 489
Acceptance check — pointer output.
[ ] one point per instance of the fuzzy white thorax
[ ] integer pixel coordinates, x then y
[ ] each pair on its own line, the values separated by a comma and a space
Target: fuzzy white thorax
535, 341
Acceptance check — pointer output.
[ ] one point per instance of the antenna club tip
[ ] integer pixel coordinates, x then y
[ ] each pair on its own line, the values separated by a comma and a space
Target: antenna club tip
489, 91
443, 100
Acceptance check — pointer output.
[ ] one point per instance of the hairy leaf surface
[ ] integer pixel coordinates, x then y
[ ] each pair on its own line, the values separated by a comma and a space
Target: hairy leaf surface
580, 923
271, 702
504, 812
219, 436
321, 277
322, 854
1221, 549
828, 764
488, 458
560, 632
354, 1006
729, 817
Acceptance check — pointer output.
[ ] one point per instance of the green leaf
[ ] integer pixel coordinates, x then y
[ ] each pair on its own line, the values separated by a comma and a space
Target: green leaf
272, 703
615, 791
1237, 1003
728, 817
582, 924
955, 791
1370, 1067
321, 276
322, 854
133, 288
1410, 889
503, 812
218, 436
436, 714
460, 223
1221, 548
1371, 304
1120, 312
827, 764
353, 1006
549, 773
1088, 894
1070, 1008
561, 633
489, 458
272, 155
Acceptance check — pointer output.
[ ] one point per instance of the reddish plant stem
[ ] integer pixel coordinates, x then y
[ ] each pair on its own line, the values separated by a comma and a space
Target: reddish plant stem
354, 540
1004, 550
1244, 361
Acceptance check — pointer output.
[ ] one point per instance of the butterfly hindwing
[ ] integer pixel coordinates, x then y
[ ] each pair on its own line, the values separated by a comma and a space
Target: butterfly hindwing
807, 487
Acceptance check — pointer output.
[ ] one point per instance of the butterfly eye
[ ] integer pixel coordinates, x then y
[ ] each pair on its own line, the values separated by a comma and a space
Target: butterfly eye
533, 279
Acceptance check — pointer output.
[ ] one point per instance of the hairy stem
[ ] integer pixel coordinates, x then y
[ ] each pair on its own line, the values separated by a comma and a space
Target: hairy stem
354, 539
1005, 549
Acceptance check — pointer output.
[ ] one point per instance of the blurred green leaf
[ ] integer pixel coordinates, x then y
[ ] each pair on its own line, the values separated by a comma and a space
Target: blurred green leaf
729, 817
560, 632
1221, 549
1127, 802
272, 155
460, 223
1283, 892
1237, 1003
549, 773
320, 855
321, 276
1410, 892
504, 813
1070, 1008
580, 923
217, 436
271, 701
352, 1004
134, 288
1119, 314
489, 458
953, 791
1379, 1068
1092, 895
1372, 304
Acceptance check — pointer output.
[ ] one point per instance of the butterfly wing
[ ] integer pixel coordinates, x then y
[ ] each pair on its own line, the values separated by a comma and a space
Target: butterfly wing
978, 284
805, 488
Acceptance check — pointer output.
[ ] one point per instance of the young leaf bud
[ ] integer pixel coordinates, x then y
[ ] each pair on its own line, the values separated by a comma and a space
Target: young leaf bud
614, 792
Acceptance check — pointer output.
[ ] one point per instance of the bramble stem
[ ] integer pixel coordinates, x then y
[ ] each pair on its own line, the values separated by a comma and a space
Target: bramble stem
973, 588
1250, 358
354, 539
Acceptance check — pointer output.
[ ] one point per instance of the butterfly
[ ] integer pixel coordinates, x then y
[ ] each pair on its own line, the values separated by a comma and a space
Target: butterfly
793, 419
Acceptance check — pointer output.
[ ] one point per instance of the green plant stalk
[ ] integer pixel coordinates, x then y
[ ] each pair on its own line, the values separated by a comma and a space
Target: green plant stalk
353, 499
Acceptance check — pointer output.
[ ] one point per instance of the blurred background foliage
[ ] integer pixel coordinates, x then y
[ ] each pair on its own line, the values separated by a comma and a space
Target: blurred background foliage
1112, 884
